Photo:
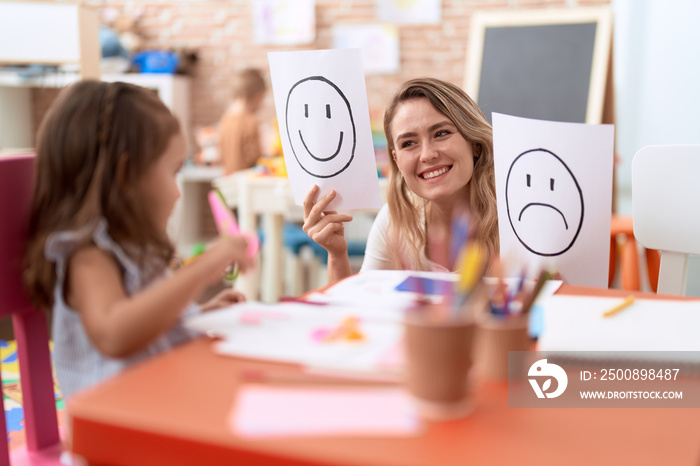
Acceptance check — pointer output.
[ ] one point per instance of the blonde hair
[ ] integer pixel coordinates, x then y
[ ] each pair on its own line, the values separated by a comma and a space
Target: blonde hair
405, 208
95, 142
247, 84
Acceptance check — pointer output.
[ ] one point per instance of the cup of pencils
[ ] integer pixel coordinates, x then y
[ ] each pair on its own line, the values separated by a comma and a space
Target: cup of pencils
438, 348
504, 327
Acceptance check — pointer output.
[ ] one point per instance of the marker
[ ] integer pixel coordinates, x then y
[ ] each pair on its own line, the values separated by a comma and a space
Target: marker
617, 308
460, 234
516, 298
541, 280
472, 265
198, 249
226, 223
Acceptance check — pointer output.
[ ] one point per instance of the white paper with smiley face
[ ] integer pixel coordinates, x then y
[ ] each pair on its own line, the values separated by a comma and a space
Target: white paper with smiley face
544, 202
554, 196
323, 117
321, 130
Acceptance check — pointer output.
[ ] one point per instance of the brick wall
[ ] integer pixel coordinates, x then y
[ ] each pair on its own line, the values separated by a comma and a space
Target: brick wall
221, 32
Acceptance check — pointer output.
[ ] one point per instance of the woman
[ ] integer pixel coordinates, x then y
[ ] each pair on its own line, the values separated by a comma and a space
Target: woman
441, 149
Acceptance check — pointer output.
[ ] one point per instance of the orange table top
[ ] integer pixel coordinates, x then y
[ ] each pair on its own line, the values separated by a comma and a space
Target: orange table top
173, 410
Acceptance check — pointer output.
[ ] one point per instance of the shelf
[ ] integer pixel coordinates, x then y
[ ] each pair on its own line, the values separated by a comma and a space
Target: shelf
15, 100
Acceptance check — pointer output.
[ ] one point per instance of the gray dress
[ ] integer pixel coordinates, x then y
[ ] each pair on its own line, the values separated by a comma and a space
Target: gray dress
77, 362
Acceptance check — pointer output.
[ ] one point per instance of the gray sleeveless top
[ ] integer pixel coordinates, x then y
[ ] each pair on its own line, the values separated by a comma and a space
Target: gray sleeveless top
78, 363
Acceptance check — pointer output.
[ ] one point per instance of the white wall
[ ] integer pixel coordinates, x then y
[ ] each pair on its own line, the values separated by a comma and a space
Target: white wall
657, 78
657, 86
15, 118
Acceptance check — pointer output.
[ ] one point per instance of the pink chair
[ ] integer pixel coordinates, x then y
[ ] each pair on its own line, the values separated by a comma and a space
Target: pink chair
30, 326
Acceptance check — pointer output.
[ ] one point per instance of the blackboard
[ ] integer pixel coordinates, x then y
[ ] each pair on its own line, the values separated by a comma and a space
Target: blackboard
544, 64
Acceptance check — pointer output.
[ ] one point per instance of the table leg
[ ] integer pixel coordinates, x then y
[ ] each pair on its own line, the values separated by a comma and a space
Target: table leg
272, 269
248, 283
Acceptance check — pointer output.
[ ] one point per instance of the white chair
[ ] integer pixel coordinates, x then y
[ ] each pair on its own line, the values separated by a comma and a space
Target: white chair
665, 197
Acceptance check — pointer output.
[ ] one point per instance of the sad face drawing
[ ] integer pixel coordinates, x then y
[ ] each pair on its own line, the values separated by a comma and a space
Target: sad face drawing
320, 127
544, 202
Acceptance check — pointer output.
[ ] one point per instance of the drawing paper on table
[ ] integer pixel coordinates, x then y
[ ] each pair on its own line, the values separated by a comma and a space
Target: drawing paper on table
375, 292
292, 332
378, 283
293, 341
265, 411
576, 323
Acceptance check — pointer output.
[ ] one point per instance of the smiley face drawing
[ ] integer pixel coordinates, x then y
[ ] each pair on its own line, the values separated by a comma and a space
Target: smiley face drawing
544, 202
320, 127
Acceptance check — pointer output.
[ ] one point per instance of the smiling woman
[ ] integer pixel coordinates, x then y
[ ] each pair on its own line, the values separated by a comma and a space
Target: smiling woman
442, 163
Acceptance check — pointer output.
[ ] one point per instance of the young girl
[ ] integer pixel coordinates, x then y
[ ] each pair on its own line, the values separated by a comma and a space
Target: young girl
99, 255
441, 148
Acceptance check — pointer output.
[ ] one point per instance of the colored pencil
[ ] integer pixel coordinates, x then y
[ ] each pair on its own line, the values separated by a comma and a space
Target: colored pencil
541, 280
620, 306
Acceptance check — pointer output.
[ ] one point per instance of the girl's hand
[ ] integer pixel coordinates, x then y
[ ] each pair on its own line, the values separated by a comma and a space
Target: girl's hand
325, 227
224, 298
227, 251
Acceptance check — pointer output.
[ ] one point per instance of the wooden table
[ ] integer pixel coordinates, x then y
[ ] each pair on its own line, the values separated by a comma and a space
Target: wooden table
173, 410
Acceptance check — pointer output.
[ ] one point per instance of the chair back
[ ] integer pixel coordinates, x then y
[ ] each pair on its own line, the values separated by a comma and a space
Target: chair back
30, 325
665, 194
16, 187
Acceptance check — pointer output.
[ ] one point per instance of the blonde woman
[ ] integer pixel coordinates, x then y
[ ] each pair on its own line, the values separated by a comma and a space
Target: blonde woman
441, 149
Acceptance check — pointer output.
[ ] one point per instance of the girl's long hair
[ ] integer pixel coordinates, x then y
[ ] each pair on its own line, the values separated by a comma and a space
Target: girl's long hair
93, 145
406, 209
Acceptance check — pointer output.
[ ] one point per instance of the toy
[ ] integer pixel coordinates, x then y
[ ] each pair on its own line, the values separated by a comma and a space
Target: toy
207, 138
125, 26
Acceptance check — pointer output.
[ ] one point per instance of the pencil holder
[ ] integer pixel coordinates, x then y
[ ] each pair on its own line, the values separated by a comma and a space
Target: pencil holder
494, 338
438, 349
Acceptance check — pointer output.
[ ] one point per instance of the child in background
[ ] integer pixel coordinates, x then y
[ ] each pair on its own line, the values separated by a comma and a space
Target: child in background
239, 128
99, 254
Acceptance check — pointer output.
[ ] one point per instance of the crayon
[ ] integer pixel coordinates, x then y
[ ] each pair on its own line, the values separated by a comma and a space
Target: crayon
619, 307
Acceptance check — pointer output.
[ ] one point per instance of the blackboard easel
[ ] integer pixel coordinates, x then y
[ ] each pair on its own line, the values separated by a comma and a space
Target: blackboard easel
549, 64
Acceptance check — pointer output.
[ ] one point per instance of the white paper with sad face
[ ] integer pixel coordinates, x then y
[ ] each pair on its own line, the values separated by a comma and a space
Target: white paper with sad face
543, 194
323, 118
554, 193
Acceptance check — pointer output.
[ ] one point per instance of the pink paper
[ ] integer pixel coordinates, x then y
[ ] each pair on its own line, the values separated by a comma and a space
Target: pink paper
267, 411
